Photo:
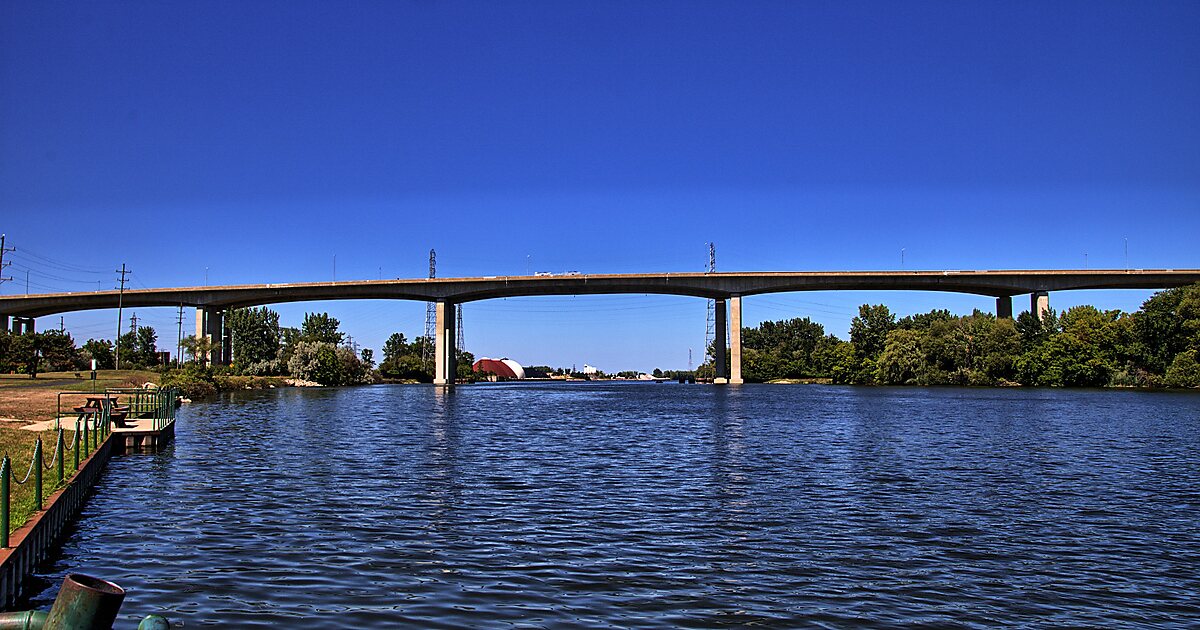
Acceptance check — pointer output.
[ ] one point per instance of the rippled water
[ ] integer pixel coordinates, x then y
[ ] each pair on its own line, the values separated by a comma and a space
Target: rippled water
645, 505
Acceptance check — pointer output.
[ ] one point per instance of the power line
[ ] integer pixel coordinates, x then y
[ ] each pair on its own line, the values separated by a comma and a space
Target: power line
61, 265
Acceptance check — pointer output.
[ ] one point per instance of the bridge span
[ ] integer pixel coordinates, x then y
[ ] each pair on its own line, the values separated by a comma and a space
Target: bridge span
727, 289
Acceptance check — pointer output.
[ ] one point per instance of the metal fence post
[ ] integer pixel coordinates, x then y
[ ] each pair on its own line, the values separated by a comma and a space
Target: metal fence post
37, 477
62, 453
5, 469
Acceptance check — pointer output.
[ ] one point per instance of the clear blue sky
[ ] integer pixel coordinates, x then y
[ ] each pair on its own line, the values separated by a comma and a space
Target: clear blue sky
257, 140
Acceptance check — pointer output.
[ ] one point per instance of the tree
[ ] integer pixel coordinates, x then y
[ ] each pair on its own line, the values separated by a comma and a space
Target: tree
321, 327
256, 335
1184, 370
99, 349
1035, 330
368, 358
147, 345
139, 347
869, 330
22, 353
58, 351
327, 364
1167, 324
902, 361
395, 347
198, 348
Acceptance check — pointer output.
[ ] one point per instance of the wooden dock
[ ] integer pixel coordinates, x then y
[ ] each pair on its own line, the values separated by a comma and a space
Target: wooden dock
140, 435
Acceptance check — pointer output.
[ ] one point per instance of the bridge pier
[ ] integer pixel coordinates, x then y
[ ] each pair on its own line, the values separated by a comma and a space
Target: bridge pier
1039, 303
210, 325
735, 340
20, 325
720, 369
445, 355
1004, 307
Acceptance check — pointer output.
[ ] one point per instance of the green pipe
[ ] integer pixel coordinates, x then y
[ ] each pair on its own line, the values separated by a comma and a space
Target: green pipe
85, 602
153, 622
26, 620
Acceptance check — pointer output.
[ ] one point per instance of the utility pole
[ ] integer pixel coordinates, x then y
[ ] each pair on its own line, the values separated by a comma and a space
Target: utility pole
711, 326
120, 306
3, 264
1126, 253
179, 337
62, 325
430, 317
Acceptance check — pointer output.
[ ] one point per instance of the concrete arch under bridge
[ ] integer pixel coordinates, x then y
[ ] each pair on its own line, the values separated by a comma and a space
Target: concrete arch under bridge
727, 289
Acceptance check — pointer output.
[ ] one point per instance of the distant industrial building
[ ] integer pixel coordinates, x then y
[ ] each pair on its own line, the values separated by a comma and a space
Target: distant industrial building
501, 368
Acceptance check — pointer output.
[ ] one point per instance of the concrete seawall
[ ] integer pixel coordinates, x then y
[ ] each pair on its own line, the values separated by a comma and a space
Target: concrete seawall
31, 542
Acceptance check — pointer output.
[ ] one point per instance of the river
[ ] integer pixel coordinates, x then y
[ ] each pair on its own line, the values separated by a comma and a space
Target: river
656, 505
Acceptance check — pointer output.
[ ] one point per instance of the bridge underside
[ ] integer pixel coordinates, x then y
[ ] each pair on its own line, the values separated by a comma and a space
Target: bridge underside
727, 289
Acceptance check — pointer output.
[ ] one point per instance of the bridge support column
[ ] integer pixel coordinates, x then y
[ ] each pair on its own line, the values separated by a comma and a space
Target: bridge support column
227, 346
445, 366
201, 325
1004, 307
720, 369
1039, 303
735, 340
213, 331
21, 325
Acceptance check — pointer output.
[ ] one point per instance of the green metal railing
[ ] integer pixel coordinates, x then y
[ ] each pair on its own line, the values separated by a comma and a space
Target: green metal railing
159, 405
91, 429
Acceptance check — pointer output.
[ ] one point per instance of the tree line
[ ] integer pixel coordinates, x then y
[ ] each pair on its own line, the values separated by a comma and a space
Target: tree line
1156, 346
55, 351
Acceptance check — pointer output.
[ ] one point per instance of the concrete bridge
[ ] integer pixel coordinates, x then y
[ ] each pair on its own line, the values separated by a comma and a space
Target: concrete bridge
727, 289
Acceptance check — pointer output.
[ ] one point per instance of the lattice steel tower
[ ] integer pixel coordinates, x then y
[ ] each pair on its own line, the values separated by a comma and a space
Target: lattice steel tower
430, 317
458, 338
711, 328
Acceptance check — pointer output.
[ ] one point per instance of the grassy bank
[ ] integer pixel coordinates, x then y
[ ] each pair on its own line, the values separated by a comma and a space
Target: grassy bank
23, 401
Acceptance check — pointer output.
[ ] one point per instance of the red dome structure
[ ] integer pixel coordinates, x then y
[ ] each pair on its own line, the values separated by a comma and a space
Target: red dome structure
503, 368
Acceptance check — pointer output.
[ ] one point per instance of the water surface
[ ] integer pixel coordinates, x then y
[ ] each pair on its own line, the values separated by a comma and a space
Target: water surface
657, 505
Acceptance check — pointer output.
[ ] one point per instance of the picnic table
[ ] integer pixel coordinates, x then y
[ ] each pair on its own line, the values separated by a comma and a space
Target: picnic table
95, 404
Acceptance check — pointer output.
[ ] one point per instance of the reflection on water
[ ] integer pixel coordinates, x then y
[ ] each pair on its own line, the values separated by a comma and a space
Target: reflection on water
657, 505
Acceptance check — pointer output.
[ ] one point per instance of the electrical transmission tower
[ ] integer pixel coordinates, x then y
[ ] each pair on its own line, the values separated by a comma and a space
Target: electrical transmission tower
430, 317
3, 264
458, 339
711, 328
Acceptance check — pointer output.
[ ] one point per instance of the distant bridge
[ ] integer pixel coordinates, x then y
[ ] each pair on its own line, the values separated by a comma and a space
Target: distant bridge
727, 289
